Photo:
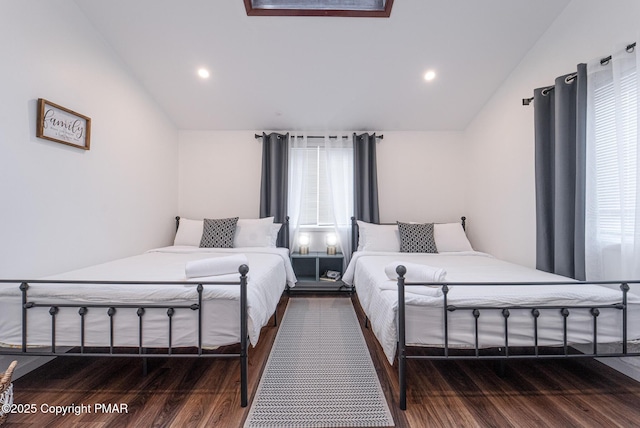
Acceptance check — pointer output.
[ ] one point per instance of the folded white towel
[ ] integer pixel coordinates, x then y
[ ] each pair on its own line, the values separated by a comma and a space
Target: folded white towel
423, 290
215, 266
228, 277
416, 272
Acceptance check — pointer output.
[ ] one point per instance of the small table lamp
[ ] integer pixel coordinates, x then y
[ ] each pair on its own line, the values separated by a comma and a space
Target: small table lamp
303, 240
331, 244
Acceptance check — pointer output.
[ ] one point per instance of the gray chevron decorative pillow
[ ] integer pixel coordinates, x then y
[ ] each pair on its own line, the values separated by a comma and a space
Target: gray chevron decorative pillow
218, 233
417, 238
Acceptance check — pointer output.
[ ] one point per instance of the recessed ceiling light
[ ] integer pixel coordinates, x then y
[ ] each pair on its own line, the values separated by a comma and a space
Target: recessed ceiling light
429, 75
204, 73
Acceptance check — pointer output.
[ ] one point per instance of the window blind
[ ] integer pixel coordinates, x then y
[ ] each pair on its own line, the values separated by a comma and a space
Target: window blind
317, 202
615, 129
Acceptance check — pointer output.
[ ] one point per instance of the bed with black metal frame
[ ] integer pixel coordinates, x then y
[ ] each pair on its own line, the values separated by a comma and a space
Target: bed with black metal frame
199, 350
504, 351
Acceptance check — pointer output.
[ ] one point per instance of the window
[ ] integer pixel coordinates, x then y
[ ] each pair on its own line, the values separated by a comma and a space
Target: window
317, 204
321, 181
615, 157
612, 217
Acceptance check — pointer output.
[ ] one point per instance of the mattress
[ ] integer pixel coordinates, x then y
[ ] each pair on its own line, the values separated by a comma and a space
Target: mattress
424, 306
269, 272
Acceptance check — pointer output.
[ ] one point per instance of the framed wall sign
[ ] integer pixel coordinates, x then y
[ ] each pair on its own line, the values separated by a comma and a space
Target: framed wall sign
62, 125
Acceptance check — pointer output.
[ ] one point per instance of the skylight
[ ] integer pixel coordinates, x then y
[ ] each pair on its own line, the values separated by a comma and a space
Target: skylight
364, 8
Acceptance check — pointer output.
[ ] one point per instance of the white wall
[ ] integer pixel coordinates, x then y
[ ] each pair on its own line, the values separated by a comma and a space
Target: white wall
421, 175
501, 194
219, 174
63, 207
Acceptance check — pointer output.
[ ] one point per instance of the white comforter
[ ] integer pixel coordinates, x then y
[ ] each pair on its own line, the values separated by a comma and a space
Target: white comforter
378, 297
269, 270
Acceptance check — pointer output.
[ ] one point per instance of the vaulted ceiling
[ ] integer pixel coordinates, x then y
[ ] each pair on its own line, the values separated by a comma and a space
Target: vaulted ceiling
321, 73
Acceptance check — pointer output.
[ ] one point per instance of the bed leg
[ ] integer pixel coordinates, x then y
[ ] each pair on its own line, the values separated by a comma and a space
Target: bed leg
244, 337
402, 342
145, 366
244, 371
402, 379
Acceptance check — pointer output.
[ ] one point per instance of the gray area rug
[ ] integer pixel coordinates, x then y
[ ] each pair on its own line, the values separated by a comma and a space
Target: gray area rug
319, 372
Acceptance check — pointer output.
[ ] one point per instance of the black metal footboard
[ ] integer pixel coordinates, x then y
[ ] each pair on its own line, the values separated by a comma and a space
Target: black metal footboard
534, 311
112, 310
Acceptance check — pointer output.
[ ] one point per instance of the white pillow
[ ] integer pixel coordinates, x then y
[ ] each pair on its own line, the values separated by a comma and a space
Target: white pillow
273, 239
189, 232
378, 237
253, 232
450, 237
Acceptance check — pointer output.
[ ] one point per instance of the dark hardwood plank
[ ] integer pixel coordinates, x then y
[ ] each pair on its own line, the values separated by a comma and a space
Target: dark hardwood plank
204, 393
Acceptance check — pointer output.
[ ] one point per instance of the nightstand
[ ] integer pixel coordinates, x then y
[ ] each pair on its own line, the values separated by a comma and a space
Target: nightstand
310, 268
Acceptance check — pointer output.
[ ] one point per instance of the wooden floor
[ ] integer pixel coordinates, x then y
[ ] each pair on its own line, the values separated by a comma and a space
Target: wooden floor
190, 392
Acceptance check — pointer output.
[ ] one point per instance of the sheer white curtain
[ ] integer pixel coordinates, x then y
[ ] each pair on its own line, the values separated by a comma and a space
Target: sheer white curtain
613, 181
298, 170
339, 155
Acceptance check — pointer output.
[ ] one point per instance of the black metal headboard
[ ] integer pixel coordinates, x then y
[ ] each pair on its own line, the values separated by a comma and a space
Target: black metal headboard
355, 234
283, 230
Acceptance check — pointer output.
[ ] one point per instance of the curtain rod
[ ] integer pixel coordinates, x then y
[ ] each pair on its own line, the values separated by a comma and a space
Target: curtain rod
629, 49
603, 61
381, 136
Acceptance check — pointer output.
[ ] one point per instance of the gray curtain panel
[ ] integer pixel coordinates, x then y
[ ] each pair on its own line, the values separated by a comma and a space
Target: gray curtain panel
560, 162
274, 181
365, 181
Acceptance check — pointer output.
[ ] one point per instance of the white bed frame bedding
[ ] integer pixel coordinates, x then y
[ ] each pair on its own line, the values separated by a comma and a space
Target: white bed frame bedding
490, 304
424, 314
123, 307
269, 272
